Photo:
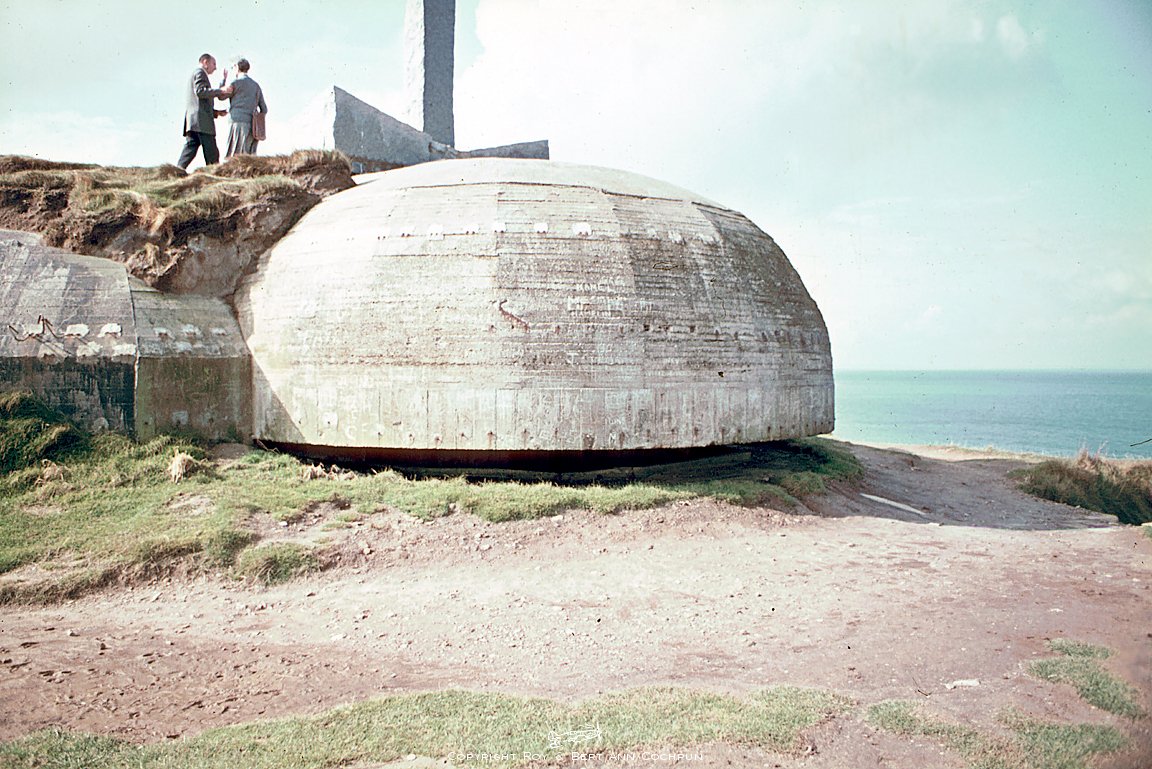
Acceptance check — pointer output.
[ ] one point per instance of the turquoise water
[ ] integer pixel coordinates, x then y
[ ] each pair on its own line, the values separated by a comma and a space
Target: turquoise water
1047, 412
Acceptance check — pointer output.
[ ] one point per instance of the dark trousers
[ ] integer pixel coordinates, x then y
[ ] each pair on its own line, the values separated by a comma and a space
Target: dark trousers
194, 140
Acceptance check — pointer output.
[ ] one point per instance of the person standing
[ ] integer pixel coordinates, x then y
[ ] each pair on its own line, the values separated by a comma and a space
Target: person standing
247, 99
200, 114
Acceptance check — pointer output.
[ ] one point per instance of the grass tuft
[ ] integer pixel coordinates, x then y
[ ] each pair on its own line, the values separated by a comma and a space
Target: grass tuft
1079, 649
32, 433
15, 164
144, 216
1063, 746
1079, 666
1122, 489
278, 562
253, 166
904, 718
1031, 745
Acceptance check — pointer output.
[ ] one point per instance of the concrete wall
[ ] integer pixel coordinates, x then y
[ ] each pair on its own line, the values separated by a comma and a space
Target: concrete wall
115, 354
518, 305
193, 370
81, 358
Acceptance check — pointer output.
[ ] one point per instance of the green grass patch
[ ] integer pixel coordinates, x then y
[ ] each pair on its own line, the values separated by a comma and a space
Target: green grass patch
31, 432
276, 562
113, 514
505, 730
1122, 489
1063, 746
499, 501
1079, 666
101, 509
1030, 744
979, 749
1079, 649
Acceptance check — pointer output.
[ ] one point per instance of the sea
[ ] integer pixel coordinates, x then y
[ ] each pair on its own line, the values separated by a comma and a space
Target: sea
1055, 413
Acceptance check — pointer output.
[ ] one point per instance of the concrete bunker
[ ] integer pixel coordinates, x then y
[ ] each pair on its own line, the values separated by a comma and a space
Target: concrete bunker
494, 309
112, 353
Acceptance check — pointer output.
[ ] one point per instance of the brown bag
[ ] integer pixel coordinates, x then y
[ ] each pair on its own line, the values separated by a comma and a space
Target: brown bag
258, 132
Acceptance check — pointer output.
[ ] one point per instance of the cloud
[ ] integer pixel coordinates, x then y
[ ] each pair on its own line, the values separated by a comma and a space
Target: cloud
70, 135
818, 101
930, 316
1014, 39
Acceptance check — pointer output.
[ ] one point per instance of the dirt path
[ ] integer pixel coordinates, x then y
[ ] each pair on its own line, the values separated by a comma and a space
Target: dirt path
962, 579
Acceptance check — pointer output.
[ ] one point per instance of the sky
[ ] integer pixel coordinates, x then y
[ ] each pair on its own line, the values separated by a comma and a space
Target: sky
961, 184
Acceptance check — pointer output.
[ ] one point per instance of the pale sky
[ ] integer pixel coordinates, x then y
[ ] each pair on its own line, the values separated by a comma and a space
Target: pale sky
961, 184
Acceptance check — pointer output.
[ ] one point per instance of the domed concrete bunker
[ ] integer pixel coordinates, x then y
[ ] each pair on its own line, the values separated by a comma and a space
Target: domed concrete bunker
489, 308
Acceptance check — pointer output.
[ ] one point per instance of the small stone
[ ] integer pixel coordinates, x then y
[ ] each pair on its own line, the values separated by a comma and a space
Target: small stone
962, 682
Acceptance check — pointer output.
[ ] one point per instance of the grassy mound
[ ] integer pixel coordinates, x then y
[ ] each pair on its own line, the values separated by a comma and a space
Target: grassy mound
160, 198
145, 217
1122, 489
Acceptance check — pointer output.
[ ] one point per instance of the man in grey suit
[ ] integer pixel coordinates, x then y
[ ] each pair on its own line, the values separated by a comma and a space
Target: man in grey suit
200, 115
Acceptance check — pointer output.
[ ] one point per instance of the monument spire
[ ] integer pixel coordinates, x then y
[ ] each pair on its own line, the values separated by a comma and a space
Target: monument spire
430, 37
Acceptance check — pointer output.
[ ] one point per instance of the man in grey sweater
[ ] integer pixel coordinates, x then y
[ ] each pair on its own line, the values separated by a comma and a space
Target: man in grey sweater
247, 99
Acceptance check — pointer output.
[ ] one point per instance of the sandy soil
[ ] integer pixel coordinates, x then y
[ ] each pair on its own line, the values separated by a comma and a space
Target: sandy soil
962, 580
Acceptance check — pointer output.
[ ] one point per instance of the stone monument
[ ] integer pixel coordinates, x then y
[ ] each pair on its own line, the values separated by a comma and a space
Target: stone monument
374, 140
430, 29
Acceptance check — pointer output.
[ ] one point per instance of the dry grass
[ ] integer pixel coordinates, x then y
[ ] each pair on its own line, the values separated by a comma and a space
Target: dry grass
182, 466
317, 472
1120, 488
163, 199
253, 166
11, 164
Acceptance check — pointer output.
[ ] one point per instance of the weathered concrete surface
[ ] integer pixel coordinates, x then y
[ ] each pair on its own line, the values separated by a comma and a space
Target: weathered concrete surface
508, 305
429, 42
113, 354
193, 371
369, 136
67, 332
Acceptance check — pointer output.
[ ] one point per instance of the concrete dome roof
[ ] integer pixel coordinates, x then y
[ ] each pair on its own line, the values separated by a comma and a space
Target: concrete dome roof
544, 172
497, 305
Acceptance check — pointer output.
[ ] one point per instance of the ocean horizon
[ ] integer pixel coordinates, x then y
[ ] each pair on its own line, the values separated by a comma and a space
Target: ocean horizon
1056, 413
